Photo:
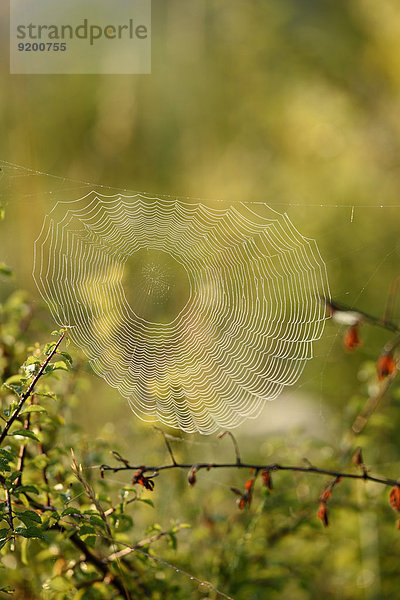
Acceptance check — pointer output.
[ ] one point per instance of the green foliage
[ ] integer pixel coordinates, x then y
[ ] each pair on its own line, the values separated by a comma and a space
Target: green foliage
60, 526
66, 531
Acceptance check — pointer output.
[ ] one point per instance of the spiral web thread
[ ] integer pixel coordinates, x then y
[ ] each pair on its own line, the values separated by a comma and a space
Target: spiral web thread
252, 310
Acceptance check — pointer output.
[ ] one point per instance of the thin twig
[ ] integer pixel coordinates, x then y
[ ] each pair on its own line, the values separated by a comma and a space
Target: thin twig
145, 542
256, 467
371, 405
118, 457
392, 344
167, 444
21, 454
24, 397
391, 297
235, 444
44, 472
383, 323
77, 470
112, 509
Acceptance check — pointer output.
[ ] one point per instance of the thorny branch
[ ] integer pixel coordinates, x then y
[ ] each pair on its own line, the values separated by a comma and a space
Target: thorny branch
153, 471
144, 475
24, 397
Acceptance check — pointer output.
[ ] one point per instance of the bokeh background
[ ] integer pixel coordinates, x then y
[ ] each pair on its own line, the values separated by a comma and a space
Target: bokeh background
294, 103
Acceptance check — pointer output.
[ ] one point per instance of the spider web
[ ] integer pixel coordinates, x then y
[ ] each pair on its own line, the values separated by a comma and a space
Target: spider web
244, 313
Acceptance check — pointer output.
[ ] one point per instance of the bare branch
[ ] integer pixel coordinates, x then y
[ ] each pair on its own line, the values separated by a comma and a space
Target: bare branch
167, 444
256, 467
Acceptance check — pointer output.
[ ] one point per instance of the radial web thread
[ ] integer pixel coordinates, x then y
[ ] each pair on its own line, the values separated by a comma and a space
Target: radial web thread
246, 302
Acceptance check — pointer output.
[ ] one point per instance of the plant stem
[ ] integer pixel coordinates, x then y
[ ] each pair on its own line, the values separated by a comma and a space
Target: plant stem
267, 467
24, 397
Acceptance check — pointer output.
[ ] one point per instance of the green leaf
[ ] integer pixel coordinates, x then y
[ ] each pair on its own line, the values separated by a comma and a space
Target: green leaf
2, 544
6, 454
5, 269
8, 411
73, 512
104, 498
123, 522
13, 476
49, 347
172, 539
3, 516
146, 501
33, 408
59, 332
28, 517
14, 379
32, 360
51, 395
87, 530
31, 370
29, 532
4, 466
90, 540
96, 520
15, 389
28, 489
60, 584
50, 519
25, 433
60, 365
67, 357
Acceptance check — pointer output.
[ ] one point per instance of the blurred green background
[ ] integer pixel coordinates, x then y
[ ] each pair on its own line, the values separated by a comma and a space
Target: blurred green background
290, 102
